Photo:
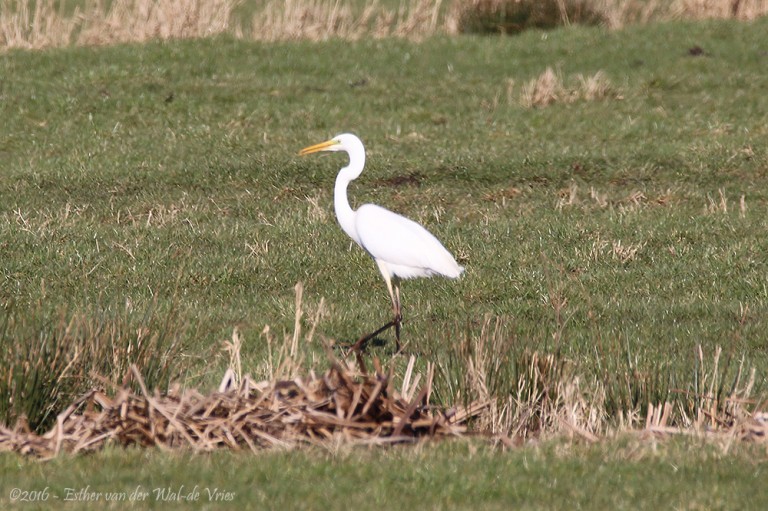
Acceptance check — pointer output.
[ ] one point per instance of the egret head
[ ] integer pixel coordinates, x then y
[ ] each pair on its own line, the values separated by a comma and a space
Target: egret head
343, 142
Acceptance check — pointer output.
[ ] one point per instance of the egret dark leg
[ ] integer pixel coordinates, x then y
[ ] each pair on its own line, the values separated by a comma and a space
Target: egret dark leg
394, 294
364, 339
398, 313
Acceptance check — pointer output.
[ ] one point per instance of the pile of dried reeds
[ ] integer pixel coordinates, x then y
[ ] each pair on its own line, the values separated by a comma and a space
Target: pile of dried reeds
342, 405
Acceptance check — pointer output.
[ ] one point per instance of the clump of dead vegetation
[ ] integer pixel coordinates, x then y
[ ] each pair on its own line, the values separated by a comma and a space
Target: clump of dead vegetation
549, 87
527, 394
294, 406
340, 405
48, 23
489, 385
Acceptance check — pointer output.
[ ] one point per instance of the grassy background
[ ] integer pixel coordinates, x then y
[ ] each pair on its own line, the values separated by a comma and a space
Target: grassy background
163, 179
170, 172
624, 474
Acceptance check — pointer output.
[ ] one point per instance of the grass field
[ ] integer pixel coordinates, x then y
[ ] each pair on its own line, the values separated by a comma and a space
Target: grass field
622, 474
158, 188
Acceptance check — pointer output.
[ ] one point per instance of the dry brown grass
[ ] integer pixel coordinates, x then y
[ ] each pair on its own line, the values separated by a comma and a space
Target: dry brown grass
39, 24
34, 25
143, 20
549, 87
546, 89
45, 23
704, 9
527, 395
319, 20
722, 411
341, 405
508, 396
293, 406
313, 19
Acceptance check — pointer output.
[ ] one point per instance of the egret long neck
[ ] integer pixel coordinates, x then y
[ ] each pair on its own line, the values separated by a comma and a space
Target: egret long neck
344, 212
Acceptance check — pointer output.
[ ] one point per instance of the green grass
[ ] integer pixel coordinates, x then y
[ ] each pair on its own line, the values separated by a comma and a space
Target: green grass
164, 177
623, 474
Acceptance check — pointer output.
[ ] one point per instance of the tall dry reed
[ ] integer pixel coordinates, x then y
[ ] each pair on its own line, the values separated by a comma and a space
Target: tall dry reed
34, 24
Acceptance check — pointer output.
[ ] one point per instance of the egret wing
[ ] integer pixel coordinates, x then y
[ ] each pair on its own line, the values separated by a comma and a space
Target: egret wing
403, 244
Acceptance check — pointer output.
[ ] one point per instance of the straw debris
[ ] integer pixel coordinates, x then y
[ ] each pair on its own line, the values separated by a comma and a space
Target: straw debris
340, 405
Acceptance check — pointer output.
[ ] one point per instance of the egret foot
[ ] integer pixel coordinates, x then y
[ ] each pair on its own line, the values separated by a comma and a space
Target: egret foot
361, 342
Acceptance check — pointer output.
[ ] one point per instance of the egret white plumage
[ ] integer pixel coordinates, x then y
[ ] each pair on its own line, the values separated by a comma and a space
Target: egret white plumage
401, 248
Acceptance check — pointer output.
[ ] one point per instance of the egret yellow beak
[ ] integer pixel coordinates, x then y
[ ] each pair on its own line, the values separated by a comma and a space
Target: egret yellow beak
322, 146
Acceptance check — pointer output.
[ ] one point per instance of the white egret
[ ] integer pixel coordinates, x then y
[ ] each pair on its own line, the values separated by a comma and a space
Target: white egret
401, 248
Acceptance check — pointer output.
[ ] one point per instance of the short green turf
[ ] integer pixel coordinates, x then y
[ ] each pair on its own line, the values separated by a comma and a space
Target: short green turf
170, 172
625, 473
